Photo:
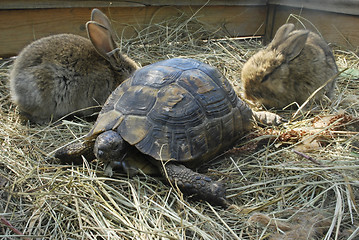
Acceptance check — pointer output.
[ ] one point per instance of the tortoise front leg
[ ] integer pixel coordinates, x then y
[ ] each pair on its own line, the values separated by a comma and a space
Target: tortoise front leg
195, 184
73, 153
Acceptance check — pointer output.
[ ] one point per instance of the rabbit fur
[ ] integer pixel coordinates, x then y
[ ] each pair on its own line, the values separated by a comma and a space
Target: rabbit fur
289, 69
61, 74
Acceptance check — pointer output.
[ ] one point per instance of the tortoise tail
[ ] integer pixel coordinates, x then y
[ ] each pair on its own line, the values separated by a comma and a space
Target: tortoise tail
73, 153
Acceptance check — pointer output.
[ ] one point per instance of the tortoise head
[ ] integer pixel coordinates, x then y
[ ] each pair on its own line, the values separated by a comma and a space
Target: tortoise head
109, 147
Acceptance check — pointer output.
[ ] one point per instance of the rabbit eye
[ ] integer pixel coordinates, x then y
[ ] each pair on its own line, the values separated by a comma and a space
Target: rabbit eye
265, 78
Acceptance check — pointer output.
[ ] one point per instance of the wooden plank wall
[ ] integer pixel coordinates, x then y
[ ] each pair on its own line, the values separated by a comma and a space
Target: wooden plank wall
22, 21
338, 25
350, 7
19, 27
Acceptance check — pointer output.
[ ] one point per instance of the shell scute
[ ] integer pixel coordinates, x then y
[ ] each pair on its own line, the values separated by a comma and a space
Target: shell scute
157, 143
198, 142
221, 81
176, 107
180, 145
137, 100
214, 134
134, 128
209, 95
155, 76
181, 63
228, 128
106, 121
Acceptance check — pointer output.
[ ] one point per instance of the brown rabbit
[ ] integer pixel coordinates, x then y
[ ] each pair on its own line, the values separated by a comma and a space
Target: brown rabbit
61, 74
289, 69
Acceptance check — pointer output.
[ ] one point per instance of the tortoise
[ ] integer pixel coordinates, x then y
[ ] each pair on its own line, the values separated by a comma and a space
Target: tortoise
178, 113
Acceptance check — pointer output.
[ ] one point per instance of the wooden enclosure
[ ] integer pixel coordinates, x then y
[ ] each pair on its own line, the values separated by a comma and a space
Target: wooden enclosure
22, 21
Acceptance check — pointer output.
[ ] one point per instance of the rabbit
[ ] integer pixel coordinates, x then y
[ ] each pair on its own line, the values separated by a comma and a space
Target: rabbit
294, 65
62, 74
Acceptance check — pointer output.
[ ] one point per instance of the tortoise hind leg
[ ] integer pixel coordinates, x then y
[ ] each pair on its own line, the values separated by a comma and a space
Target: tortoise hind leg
73, 153
195, 184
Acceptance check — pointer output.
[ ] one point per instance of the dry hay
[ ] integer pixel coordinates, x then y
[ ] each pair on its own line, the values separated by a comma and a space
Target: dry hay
274, 191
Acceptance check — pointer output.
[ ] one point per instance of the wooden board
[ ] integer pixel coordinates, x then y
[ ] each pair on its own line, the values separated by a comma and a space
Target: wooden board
337, 6
31, 4
22, 26
336, 28
23, 21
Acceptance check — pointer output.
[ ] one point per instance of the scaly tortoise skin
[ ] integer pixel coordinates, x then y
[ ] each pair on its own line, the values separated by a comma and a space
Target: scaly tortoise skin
179, 113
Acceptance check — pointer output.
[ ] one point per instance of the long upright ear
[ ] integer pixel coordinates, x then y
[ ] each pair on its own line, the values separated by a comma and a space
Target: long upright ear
281, 35
101, 38
294, 44
101, 18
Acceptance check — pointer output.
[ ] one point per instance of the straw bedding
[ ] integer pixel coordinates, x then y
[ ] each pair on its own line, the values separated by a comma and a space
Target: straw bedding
293, 181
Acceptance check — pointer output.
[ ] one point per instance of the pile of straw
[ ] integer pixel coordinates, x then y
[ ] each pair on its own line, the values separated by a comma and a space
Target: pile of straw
275, 192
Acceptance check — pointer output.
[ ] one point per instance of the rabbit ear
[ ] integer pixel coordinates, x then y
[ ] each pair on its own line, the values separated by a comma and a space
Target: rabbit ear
281, 35
101, 39
101, 18
294, 44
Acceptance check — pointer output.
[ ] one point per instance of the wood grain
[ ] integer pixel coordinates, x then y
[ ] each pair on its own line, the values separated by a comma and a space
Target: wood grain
22, 22
20, 27
337, 6
31, 4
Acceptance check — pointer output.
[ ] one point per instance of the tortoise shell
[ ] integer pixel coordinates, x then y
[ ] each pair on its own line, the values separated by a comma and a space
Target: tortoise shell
176, 109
